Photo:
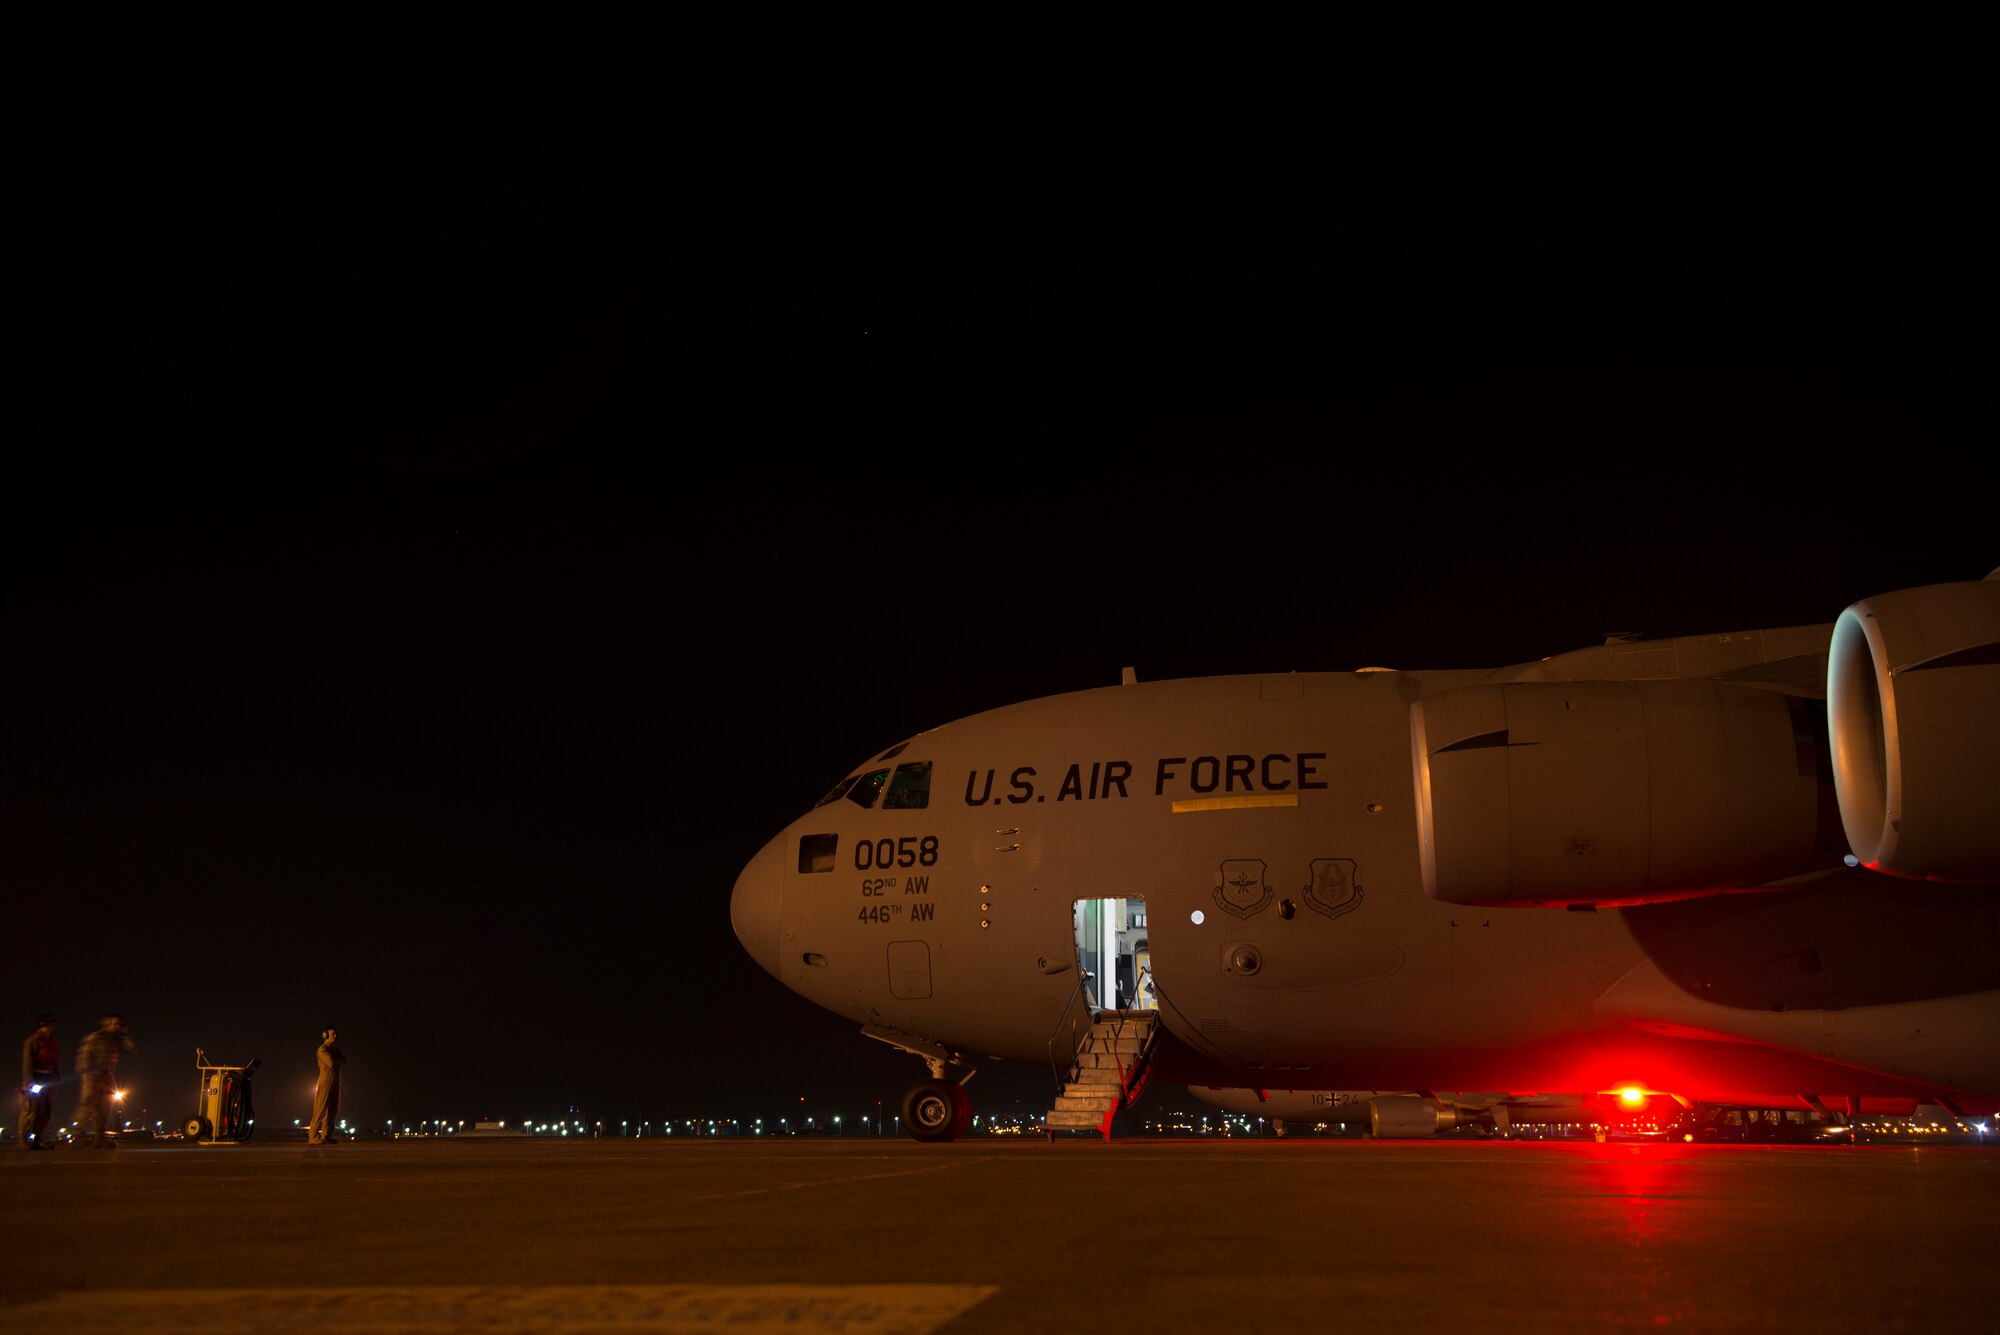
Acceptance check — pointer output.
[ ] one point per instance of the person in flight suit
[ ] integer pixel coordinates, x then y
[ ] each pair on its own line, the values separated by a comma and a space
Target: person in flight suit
41, 1072
97, 1062
326, 1094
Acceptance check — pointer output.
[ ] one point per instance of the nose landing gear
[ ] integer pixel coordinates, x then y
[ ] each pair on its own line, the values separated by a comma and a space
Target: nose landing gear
937, 1110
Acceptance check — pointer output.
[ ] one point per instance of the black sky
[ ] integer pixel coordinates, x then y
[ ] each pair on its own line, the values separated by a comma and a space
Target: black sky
444, 541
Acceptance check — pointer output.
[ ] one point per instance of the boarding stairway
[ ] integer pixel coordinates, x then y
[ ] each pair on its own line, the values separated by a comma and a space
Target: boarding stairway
1109, 1072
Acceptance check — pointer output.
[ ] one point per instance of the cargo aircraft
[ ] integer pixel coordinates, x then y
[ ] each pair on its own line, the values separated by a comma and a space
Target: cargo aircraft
1756, 868
1411, 1114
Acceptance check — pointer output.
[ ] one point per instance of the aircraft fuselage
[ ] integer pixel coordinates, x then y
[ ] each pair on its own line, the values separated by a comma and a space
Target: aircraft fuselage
1272, 835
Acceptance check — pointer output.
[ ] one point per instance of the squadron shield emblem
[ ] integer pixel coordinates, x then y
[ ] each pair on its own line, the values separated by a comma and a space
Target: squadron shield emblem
1332, 890
1240, 888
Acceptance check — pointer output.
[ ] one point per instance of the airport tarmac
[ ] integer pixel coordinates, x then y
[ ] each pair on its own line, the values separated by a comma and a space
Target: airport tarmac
996, 1235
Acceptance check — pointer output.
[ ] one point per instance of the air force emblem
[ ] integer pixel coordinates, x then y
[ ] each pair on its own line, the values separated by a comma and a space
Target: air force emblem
1332, 890
1240, 888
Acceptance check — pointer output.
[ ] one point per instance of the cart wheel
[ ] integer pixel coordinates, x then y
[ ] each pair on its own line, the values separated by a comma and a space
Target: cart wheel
195, 1128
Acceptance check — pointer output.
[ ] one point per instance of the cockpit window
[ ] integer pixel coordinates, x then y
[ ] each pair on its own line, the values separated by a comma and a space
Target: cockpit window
868, 787
910, 789
892, 752
838, 791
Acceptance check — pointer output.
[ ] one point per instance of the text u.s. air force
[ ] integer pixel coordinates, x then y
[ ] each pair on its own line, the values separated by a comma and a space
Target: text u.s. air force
1081, 781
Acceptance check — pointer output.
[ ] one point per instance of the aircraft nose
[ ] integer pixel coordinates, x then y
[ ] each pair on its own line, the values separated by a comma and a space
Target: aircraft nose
756, 906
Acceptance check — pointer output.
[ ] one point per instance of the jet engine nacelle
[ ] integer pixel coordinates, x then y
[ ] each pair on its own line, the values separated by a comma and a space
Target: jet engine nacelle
1411, 1117
1912, 682
1613, 792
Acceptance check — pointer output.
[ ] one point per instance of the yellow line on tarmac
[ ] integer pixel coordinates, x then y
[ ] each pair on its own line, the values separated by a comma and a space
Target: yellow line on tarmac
415, 1309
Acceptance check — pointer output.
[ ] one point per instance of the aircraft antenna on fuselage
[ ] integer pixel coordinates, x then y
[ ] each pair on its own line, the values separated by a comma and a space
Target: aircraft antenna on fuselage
1129, 677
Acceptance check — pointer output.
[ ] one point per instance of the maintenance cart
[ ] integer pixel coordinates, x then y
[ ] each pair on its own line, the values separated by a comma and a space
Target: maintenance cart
223, 1115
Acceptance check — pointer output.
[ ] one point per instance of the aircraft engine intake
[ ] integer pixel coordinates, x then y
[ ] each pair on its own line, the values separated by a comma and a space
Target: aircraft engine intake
1912, 678
1613, 792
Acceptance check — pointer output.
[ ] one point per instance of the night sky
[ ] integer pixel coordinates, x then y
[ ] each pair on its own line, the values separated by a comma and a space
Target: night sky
442, 544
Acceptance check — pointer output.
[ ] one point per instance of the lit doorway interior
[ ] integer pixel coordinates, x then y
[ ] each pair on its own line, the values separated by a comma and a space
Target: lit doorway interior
1111, 946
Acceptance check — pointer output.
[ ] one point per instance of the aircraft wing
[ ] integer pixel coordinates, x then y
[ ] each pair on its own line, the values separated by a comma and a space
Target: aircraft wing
1645, 772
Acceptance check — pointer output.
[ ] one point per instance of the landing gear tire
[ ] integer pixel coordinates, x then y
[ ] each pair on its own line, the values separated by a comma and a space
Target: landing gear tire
936, 1110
